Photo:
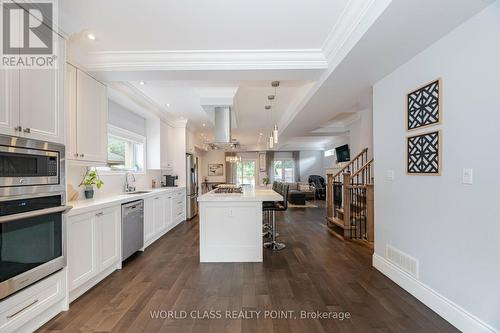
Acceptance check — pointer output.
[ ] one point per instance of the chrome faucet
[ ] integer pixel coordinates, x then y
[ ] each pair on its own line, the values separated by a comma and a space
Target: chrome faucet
128, 186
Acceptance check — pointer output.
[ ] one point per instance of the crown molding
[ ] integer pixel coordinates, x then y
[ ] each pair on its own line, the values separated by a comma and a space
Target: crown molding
206, 60
358, 16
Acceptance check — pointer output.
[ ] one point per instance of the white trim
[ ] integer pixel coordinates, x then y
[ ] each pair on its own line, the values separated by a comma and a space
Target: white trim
450, 311
351, 27
206, 60
133, 137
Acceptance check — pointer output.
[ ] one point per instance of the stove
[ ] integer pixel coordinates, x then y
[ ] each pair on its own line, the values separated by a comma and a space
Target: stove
228, 190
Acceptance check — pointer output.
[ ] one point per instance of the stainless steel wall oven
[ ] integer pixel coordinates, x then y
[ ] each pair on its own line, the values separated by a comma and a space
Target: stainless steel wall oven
32, 212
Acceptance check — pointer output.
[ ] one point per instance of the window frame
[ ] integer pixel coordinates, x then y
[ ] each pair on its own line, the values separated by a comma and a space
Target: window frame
235, 166
283, 160
129, 136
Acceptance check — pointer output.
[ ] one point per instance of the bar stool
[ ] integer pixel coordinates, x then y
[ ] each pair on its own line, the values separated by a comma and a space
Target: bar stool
279, 206
266, 226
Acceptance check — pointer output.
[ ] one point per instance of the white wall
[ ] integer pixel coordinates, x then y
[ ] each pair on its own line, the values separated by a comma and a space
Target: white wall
451, 228
331, 161
361, 134
113, 183
311, 163
213, 157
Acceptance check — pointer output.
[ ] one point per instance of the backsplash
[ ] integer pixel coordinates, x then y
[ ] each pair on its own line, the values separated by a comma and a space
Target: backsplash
113, 184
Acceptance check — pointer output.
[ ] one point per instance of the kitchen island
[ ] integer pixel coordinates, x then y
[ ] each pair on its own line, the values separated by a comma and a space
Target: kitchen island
231, 225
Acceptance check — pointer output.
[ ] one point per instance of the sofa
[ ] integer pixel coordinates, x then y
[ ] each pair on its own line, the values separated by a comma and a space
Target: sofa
300, 192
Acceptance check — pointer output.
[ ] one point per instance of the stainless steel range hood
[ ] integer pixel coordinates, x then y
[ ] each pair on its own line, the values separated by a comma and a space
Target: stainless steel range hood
222, 115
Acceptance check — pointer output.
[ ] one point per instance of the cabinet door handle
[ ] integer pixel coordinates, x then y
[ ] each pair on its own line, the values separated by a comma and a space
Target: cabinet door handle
19, 311
82, 155
27, 130
18, 128
75, 154
157, 198
99, 214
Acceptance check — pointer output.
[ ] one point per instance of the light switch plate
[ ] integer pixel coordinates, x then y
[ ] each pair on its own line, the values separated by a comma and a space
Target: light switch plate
467, 176
390, 175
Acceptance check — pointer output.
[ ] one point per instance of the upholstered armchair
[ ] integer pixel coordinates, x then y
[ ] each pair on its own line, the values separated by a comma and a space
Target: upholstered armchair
319, 184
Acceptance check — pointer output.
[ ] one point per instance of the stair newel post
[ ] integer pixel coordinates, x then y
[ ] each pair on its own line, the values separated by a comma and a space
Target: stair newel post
370, 213
329, 195
346, 203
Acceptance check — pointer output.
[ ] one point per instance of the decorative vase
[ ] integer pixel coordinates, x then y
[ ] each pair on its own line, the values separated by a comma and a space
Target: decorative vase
89, 192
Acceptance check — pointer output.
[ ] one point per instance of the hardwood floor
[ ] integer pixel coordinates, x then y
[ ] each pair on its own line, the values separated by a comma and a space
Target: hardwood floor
316, 272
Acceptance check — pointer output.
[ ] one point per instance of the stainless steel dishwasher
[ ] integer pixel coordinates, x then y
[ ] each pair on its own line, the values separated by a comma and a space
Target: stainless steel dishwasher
132, 227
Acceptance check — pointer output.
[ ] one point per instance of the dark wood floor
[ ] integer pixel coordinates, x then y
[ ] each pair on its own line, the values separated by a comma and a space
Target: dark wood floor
316, 272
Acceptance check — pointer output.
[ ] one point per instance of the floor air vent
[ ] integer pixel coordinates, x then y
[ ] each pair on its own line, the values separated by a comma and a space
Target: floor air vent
402, 260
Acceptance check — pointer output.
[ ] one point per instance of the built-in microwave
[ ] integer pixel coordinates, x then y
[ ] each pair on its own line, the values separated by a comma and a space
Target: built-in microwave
30, 166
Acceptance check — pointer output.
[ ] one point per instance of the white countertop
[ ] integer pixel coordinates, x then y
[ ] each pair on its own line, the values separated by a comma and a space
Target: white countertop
249, 194
88, 205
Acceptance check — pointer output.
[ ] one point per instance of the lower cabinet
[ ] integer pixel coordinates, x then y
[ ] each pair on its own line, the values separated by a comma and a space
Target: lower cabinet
94, 248
28, 309
157, 217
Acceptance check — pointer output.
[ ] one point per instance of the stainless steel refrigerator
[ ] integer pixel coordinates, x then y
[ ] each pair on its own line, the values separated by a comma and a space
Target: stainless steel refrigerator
191, 186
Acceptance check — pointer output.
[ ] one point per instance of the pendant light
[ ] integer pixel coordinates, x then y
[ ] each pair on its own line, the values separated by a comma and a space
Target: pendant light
271, 141
275, 85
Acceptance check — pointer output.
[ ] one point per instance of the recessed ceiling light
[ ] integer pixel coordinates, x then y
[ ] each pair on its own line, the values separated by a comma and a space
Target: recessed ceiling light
261, 134
203, 125
142, 83
168, 105
91, 36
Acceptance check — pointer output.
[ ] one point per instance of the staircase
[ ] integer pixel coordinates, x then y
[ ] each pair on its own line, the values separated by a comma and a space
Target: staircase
349, 199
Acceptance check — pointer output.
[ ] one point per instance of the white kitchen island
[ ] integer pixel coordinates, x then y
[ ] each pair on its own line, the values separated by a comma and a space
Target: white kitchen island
231, 225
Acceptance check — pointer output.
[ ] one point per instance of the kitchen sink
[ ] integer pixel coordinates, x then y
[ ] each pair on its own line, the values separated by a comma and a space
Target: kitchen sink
138, 192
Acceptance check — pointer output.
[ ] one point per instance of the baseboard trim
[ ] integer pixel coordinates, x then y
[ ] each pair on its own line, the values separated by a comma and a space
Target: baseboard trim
450, 311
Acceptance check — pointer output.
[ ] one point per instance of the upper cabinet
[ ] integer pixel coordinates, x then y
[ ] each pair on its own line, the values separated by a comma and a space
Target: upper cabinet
32, 100
9, 101
158, 156
87, 112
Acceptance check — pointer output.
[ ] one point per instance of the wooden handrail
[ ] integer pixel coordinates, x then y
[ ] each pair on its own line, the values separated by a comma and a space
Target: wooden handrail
364, 167
351, 162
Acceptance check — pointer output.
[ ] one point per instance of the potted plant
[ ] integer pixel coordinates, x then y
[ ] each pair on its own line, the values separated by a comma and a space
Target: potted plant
266, 180
90, 179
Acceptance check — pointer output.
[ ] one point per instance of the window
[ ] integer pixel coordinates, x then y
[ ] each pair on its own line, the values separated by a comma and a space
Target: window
330, 152
284, 170
126, 150
245, 172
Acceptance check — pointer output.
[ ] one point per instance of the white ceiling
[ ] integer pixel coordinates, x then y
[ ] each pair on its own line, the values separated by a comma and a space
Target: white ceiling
181, 99
125, 25
327, 54
402, 31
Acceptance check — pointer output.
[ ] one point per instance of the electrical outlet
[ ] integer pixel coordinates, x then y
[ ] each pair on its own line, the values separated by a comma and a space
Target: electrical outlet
390, 175
467, 176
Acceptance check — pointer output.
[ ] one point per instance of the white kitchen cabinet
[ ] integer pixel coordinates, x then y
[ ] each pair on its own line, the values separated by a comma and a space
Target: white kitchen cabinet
9, 101
179, 206
159, 143
160, 223
168, 211
82, 249
32, 100
109, 231
149, 219
87, 113
94, 247
41, 100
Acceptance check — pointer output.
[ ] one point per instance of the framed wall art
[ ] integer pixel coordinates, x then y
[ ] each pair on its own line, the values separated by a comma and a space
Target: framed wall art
216, 169
423, 106
423, 154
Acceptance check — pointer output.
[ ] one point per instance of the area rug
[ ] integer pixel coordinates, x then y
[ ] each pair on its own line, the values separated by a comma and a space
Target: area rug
307, 205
